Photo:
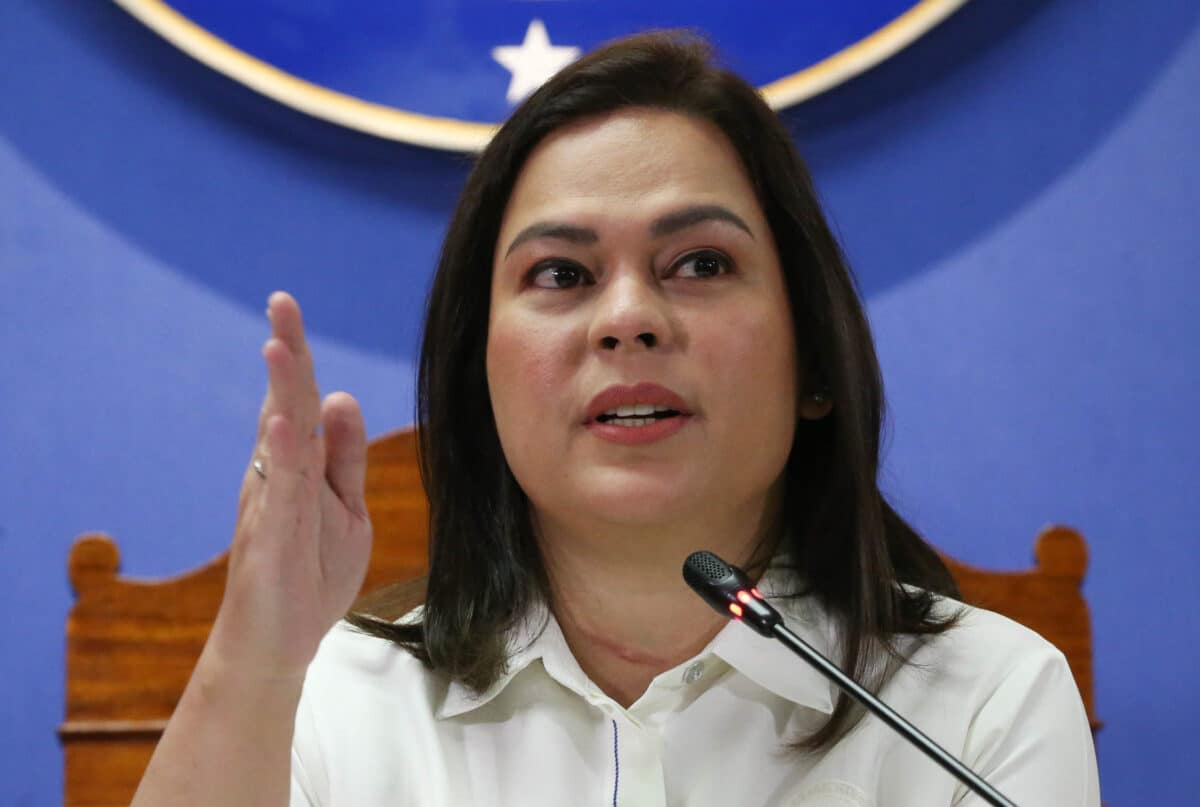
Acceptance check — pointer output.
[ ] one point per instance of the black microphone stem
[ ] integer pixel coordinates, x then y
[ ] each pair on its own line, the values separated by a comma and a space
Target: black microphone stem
889, 716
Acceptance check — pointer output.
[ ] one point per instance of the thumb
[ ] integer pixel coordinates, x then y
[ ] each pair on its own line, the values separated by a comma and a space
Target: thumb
345, 450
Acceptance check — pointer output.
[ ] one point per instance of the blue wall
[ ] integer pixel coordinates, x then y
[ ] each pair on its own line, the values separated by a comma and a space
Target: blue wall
1018, 192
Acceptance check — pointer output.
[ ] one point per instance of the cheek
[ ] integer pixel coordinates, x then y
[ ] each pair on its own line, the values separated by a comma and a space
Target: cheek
757, 351
527, 378
757, 377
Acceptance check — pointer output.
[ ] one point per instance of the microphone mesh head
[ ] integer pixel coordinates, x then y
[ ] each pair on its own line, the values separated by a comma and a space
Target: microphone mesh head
707, 566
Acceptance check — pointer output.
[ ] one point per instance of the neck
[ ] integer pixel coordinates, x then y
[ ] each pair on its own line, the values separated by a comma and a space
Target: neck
618, 593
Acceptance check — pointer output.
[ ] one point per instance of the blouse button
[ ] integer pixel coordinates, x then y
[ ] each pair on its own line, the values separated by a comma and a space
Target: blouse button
693, 673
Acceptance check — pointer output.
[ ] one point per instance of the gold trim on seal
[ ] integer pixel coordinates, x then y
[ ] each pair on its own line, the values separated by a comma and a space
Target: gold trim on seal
455, 135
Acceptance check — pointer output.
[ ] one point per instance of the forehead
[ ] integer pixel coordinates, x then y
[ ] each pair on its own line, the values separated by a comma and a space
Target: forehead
629, 166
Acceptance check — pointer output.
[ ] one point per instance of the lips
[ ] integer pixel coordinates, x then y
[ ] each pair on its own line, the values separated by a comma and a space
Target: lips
642, 393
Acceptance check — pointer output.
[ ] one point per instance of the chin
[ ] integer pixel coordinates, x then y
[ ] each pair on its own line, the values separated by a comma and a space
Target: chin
625, 496
635, 505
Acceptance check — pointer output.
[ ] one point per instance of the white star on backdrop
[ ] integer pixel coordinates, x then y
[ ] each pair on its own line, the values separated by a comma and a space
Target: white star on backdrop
532, 62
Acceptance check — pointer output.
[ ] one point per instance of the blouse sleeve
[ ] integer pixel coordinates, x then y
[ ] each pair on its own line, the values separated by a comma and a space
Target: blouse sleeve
1031, 739
308, 781
301, 793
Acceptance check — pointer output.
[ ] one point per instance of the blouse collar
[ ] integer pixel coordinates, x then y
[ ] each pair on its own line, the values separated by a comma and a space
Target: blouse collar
770, 665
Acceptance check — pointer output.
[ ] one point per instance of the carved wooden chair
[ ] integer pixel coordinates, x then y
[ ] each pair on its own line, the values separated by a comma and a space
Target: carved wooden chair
131, 644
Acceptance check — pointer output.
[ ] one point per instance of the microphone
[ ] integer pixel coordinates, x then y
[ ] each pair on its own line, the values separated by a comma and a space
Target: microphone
730, 592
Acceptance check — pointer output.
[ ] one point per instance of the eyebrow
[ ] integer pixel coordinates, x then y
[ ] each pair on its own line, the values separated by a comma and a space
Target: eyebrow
665, 225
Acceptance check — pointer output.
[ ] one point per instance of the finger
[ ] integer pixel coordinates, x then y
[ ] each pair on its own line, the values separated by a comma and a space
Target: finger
292, 484
269, 501
345, 450
287, 325
291, 388
288, 393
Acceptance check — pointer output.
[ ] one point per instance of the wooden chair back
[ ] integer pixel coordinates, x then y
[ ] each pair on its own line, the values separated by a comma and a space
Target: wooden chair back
132, 644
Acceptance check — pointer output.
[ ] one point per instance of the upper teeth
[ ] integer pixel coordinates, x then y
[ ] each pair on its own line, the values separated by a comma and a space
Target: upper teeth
637, 410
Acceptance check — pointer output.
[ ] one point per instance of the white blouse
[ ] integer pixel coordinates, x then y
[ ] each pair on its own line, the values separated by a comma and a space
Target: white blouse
376, 728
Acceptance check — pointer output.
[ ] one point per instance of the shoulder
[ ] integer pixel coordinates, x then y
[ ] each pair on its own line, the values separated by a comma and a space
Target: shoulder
357, 691
985, 634
1018, 716
358, 680
348, 657
986, 658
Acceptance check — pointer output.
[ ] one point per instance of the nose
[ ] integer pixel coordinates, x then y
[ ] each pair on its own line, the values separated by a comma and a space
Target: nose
631, 314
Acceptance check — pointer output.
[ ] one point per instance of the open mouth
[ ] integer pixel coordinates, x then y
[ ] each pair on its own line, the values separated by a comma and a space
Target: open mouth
638, 415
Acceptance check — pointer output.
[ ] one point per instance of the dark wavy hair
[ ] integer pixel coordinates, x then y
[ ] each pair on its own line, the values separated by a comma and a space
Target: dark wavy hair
849, 546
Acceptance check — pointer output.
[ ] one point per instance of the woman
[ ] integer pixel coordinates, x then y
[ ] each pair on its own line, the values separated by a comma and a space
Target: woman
642, 340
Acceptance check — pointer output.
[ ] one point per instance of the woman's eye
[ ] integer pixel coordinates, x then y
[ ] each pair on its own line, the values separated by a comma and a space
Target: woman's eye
702, 264
558, 275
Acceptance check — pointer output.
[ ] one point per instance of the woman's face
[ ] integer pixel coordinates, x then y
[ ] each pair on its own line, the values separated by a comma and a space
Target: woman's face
640, 357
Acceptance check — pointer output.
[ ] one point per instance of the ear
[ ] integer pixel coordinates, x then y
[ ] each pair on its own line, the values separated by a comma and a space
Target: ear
815, 405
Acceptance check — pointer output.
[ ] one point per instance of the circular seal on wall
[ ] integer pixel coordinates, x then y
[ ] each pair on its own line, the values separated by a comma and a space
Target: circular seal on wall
444, 74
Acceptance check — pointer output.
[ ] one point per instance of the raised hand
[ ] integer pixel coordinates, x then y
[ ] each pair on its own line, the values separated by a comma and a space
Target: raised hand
303, 537
299, 555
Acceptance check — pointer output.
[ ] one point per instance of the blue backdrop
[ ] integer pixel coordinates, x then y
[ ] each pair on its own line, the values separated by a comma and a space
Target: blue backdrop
373, 50
1017, 190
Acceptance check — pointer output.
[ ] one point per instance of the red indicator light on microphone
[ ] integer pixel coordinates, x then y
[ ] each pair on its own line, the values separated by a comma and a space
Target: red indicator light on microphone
735, 609
743, 597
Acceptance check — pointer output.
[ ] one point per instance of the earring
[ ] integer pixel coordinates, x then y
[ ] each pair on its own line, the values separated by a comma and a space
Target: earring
820, 397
